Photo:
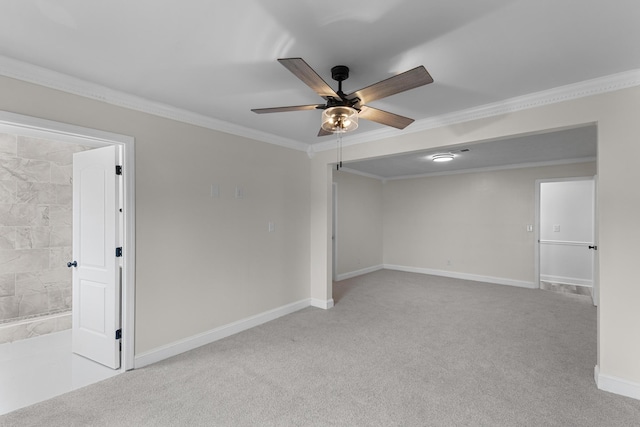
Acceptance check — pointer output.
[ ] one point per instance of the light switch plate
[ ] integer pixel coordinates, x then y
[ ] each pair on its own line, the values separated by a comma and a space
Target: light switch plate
239, 193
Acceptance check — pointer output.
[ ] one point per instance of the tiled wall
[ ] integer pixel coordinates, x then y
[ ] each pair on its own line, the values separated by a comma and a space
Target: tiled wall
35, 226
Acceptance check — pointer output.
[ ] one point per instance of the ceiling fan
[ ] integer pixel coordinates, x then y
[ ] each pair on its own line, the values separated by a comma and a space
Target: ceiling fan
341, 111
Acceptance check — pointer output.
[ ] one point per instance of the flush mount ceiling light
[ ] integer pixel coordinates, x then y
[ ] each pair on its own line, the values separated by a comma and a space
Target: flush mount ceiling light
339, 119
442, 157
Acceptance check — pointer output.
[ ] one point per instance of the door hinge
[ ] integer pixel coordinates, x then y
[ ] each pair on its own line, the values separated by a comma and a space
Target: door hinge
118, 170
118, 252
119, 334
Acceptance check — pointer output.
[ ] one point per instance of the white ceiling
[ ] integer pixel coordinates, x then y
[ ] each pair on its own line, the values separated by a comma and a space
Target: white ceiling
218, 59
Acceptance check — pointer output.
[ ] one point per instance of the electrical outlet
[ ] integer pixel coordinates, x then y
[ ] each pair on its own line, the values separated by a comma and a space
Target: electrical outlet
215, 191
272, 227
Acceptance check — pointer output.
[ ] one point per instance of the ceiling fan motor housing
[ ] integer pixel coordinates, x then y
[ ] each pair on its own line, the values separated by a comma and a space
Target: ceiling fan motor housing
340, 73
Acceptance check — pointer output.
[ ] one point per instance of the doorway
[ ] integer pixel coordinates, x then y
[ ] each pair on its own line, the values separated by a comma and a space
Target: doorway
566, 248
16, 124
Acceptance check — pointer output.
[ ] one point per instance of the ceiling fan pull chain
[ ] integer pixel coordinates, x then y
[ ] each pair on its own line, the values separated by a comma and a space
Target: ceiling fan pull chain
339, 150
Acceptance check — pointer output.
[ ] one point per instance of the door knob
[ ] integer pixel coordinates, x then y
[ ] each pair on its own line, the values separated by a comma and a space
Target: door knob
594, 247
72, 264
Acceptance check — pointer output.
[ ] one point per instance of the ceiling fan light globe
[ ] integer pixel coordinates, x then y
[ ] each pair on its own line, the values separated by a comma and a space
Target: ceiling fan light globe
340, 119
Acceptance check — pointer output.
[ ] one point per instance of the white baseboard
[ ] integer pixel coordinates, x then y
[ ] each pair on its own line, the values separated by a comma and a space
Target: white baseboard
216, 334
360, 272
322, 303
616, 385
566, 280
463, 276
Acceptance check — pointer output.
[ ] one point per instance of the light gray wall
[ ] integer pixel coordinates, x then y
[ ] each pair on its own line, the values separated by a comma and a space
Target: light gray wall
200, 262
204, 262
472, 223
359, 228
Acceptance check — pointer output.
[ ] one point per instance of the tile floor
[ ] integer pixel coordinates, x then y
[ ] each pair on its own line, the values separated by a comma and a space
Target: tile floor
39, 368
565, 288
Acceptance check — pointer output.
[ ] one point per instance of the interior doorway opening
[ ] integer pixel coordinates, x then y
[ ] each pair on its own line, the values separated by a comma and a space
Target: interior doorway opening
46, 130
566, 248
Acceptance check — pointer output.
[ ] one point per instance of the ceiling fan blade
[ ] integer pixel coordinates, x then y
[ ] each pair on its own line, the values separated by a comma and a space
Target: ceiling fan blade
411, 79
284, 109
384, 117
304, 72
323, 132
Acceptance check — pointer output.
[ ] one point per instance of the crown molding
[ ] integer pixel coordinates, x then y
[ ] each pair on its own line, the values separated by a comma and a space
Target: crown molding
19, 70
591, 87
498, 168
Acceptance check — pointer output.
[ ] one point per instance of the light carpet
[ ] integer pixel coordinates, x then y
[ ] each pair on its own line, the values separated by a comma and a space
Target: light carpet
398, 349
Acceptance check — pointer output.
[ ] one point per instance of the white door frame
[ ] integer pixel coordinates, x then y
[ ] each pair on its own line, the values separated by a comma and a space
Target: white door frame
334, 235
47, 129
537, 229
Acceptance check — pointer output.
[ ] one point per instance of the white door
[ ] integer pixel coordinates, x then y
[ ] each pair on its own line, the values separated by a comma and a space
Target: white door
567, 222
96, 273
